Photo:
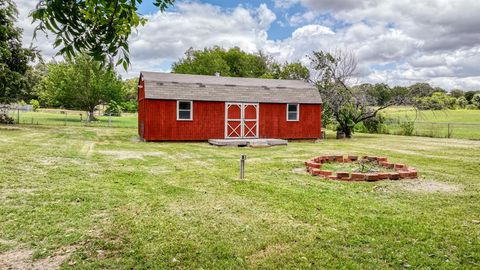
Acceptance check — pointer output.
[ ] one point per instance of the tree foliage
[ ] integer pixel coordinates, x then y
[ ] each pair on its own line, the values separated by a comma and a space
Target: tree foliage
99, 28
287, 71
422, 90
231, 63
80, 83
236, 63
457, 93
476, 100
129, 95
14, 59
437, 101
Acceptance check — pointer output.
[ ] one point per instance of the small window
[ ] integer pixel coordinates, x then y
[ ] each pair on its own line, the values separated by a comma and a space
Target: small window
184, 110
292, 112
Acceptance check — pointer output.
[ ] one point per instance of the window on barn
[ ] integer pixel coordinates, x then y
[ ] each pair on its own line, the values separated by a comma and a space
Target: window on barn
184, 110
292, 112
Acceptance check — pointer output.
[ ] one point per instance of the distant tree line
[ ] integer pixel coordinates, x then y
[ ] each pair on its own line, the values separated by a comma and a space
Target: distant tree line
426, 97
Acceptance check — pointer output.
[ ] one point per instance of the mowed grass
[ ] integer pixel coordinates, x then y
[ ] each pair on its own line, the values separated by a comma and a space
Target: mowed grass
91, 198
442, 116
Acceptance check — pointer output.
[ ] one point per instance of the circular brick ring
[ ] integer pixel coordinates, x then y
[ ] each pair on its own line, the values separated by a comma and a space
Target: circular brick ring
402, 171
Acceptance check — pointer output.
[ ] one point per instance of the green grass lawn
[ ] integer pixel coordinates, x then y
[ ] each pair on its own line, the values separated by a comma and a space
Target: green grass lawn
463, 124
445, 116
89, 198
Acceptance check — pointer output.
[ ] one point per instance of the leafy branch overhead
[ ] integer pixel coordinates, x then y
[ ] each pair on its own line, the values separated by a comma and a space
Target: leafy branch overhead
100, 28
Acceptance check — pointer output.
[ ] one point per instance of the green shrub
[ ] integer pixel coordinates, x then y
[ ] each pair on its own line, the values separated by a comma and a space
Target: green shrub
35, 104
471, 107
407, 128
476, 100
130, 106
437, 101
375, 124
113, 109
462, 102
5, 119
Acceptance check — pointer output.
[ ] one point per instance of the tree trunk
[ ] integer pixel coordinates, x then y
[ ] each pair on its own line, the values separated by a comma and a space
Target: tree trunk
348, 132
90, 116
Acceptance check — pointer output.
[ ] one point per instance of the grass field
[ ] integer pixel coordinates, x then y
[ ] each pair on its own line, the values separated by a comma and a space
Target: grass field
56, 117
89, 198
463, 124
445, 116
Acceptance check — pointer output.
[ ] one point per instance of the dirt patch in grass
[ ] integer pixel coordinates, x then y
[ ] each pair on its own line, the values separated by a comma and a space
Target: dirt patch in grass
22, 259
429, 186
268, 252
6, 127
299, 170
8, 192
87, 149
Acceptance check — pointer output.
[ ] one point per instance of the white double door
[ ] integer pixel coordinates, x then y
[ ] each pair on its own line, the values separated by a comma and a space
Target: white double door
241, 120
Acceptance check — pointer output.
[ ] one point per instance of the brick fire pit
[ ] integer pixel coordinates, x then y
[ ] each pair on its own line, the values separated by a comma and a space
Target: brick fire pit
395, 171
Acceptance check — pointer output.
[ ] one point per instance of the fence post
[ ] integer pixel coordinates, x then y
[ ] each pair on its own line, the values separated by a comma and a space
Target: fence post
18, 115
109, 119
448, 135
242, 166
65, 118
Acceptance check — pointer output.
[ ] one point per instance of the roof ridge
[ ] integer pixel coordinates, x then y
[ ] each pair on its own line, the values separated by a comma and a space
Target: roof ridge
151, 75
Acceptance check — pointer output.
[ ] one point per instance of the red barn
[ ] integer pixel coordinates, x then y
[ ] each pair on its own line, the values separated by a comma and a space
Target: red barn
179, 107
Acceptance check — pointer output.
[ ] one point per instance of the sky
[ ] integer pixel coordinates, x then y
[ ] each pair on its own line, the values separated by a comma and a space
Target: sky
395, 42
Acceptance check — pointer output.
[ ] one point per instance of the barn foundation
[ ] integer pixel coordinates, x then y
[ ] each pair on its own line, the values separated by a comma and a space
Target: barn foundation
248, 142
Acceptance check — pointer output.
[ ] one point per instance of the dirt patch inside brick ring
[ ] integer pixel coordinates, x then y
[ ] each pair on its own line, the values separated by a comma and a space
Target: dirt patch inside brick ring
429, 186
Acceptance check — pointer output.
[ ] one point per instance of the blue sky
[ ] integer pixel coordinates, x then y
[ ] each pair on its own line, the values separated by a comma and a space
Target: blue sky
395, 42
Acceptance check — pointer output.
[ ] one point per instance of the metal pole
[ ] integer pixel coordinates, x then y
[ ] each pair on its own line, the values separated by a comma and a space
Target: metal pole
242, 166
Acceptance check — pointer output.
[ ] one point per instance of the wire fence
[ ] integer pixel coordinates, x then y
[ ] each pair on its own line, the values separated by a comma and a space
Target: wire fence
71, 118
434, 129
55, 117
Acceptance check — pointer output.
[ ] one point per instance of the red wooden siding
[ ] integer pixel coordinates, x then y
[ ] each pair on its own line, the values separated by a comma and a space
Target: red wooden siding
160, 120
162, 125
274, 124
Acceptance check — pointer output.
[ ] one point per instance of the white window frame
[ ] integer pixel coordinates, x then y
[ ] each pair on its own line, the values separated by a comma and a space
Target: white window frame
178, 110
298, 112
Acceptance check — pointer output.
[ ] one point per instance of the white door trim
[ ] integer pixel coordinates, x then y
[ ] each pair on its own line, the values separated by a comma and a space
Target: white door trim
244, 130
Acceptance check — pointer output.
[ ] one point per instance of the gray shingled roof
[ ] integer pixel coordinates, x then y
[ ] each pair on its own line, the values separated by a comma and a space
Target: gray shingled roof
211, 88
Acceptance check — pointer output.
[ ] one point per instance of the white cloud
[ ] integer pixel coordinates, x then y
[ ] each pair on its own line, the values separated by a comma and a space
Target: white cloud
167, 36
266, 16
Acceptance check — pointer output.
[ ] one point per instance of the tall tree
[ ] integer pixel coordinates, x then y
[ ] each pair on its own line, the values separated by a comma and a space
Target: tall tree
469, 95
421, 90
457, 93
80, 83
98, 27
236, 63
14, 59
231, 63
346, 104
288, 71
